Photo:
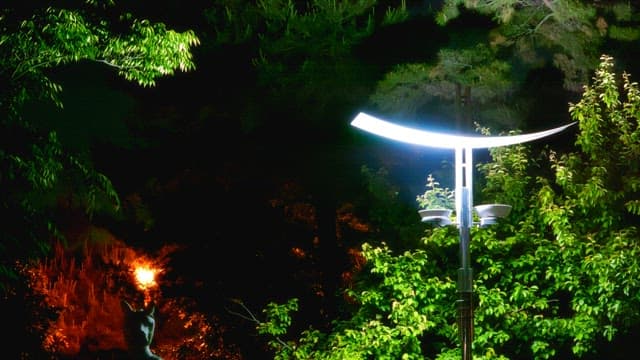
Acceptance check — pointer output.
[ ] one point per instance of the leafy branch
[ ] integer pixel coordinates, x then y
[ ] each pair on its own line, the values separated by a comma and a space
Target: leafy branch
278, 320
436, 197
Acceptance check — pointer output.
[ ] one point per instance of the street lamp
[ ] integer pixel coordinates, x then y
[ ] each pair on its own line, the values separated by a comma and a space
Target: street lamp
463, 146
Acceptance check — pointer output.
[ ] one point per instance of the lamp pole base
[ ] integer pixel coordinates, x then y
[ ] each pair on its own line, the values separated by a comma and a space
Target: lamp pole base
465, 311
465, 323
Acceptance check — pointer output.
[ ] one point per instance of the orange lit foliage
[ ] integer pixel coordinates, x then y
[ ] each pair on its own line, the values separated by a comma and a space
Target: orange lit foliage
348, 225
85, 291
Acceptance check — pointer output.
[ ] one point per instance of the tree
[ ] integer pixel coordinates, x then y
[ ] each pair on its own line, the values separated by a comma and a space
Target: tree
472, 80
35, 169
305, 57
557, 279
569, 34
570, 282
307, 74
481, 74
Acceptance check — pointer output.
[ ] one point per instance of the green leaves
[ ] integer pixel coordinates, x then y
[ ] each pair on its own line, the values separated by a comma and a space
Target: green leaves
556, 279
473, 78
56, 36
278, 318
52, 37
589, 238
36, 171
393, 314
149, 52
436, 197
566, 34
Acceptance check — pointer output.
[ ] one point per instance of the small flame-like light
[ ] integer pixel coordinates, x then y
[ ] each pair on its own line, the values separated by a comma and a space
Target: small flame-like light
146, 277
144, 273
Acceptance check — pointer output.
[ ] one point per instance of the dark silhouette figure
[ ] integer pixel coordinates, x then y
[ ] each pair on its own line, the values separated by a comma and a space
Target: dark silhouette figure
139, 325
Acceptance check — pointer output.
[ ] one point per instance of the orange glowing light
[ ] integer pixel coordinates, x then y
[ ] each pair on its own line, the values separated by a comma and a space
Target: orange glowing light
145, 277
144, 274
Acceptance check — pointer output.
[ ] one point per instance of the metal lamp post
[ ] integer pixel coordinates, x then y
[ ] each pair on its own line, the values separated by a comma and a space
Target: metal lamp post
463, 146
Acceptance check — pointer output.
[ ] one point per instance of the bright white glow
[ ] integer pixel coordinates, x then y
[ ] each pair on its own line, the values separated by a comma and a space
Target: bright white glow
145, 277
441, 140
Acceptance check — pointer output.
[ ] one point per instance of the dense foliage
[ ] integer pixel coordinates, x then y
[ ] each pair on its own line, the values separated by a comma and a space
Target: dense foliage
485, 64
557, 279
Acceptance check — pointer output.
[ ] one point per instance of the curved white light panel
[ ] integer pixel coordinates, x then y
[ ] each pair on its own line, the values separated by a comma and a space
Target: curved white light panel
442, 140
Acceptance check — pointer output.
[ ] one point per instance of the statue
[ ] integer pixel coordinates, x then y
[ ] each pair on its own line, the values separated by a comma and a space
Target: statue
139, 326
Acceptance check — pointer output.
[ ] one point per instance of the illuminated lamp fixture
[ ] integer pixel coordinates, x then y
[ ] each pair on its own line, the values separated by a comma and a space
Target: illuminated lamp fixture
490, 213
463, 146
440, 217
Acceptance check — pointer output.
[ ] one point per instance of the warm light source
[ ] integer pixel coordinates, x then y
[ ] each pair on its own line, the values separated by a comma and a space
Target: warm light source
145, 277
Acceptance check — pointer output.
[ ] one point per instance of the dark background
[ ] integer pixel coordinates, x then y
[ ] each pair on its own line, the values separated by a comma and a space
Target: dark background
210, 176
